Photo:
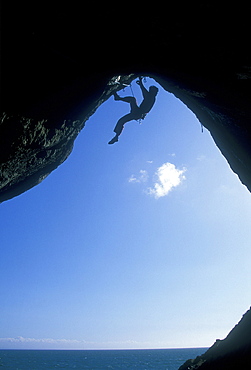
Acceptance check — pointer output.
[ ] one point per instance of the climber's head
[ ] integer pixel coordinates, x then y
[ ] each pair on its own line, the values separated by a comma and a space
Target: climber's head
153, 90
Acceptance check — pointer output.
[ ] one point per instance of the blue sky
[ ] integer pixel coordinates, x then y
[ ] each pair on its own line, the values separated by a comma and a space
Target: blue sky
140, 244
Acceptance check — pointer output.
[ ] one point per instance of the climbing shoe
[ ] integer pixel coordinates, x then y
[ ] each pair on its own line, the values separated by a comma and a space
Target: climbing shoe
114, 140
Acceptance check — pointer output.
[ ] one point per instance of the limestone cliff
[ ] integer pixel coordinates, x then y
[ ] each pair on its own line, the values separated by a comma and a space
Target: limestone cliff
58, 64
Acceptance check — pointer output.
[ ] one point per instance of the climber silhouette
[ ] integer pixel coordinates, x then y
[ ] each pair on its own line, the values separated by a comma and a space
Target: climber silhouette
137, 112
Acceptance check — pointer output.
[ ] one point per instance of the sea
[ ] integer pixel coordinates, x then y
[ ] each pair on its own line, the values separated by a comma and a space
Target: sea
143, 359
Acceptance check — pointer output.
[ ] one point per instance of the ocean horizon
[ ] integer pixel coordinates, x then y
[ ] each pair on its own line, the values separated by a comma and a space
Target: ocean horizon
139, 359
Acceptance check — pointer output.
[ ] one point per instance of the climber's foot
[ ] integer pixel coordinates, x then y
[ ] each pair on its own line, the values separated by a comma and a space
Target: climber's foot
114, 140
116, 96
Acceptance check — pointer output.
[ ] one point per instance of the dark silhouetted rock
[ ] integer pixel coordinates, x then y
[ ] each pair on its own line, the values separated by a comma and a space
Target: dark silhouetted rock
59, 62
231, 353
56, 64
32, 147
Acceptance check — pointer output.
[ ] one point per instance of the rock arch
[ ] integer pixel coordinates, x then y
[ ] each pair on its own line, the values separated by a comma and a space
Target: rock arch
55, 61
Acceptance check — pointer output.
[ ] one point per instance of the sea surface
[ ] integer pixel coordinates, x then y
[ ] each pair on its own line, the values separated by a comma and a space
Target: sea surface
164, 359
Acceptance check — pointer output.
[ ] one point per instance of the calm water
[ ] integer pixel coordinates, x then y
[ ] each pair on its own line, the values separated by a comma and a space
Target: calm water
165, 359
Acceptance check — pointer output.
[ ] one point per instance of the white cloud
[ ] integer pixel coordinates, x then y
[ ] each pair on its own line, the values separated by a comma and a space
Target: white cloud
44, 343
142, 177
165, 179
49, 343
201, 157
168, 177
41, 340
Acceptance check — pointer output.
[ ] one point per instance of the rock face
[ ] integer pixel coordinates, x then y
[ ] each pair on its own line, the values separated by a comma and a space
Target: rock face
32, 147
31, 150
60, 62
56, 64
231, 353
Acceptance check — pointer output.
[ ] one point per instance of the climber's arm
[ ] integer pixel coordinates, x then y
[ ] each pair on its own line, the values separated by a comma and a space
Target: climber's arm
143, 89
